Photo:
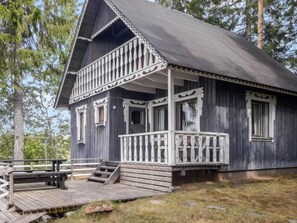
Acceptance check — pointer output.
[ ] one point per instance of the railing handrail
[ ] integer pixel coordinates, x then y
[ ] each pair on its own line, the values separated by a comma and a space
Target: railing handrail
105, 55
202, 133
143, 134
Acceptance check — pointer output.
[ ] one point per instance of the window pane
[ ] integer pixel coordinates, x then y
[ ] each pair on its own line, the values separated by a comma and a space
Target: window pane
260, 119
137, 117
161, 119
101, 114
187, 116
81, 130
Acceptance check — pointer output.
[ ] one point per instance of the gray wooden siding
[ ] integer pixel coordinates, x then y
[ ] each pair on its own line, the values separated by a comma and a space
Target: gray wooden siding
225, 111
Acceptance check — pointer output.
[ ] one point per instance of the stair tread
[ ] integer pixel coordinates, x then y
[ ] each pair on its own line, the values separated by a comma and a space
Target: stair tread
108, 167
103, 172
98, 179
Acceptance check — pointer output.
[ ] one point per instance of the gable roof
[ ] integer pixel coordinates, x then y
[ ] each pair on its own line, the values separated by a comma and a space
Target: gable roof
186, 42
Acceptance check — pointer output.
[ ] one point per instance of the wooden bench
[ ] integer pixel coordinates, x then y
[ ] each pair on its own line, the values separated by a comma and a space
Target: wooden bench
57, 178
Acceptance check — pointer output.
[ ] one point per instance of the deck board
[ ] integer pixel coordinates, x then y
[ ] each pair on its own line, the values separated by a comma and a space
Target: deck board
78, 194
8, 216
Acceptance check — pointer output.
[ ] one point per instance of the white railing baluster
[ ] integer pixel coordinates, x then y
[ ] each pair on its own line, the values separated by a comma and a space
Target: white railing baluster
139, 54
130, 57
166, 149
192, 148
200, 149
146, 148
130, 149
207, 141
145, 51
121, 70
221, 145
140, 149
214, 153
135, 54
135, 148
126, 61
159, 148
125, 150
185, 139
152, 148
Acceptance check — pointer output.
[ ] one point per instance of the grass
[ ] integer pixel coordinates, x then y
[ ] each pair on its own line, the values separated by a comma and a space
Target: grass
273, 200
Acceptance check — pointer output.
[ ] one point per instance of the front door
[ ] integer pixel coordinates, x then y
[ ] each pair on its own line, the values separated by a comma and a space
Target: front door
136, 120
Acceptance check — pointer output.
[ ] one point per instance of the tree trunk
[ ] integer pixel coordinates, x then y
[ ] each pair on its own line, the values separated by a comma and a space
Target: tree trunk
260, 23
18, 118
248, 28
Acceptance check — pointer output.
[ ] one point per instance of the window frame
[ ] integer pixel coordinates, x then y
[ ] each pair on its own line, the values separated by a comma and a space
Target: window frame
191, 95
254, 97
81, 127
100, 104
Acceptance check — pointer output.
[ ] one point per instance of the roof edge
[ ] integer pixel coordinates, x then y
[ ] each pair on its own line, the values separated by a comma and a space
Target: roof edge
231, 79
56, 104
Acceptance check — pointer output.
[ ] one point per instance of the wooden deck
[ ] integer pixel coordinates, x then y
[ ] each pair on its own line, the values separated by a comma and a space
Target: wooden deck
79, 193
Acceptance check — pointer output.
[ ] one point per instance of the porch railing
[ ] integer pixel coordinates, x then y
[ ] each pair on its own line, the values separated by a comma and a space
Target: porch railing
127, 59
145, 147
201, 148
189, 148
6, 186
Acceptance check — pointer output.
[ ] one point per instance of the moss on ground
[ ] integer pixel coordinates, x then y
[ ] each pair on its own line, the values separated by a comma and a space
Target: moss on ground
273, 200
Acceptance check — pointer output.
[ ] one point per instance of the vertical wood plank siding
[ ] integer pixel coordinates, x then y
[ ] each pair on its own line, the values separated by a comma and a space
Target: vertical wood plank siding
224, 110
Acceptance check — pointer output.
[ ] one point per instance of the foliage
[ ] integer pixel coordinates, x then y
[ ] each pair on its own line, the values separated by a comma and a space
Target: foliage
34, 40
240, 17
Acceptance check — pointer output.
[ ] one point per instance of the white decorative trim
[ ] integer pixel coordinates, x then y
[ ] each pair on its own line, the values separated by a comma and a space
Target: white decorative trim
271, 100
150, 47
82, 109
127, 103
232, 80
105, 27
183, 96
98, 104
84, 39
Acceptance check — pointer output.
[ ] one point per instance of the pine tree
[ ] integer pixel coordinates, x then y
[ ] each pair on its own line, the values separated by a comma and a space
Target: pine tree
30, 31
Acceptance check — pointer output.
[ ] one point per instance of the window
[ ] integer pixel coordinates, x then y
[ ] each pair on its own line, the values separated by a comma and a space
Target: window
81, 115
260, 119
261, 115
161, 118
100, 109
137, 117
186, 114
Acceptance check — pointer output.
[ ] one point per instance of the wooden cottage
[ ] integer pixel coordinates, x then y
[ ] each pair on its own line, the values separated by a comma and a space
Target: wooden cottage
169, 96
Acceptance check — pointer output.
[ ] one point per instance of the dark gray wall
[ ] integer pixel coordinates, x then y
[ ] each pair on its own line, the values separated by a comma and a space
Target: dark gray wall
224, 110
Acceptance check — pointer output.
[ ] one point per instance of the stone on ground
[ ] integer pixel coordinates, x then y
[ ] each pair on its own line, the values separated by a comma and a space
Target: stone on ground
216, 207
156, 201
98, 208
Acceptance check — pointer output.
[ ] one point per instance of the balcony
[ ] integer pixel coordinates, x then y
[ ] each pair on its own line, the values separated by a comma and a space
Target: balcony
190, 148
128, 62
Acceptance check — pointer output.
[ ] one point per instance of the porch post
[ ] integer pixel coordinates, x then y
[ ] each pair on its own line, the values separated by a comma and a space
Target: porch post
171, 117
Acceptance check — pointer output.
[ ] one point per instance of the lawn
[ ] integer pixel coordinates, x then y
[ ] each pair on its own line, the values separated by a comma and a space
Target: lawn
269, 200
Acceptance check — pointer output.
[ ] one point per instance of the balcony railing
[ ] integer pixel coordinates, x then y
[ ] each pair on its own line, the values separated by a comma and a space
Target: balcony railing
190, 148
6, 188
125, 61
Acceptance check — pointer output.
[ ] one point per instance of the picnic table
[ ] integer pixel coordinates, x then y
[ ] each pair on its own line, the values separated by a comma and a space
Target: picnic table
53, 176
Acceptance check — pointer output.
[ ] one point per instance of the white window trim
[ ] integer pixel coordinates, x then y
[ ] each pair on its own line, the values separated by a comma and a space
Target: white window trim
271, 100
183, 96
127, 103
99, 104
82, 109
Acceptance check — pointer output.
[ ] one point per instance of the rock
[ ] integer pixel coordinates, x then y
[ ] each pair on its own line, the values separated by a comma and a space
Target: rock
255, 214
156, 201
292, 220
46, 218
190, 203
68, 214
217, 207
98, 208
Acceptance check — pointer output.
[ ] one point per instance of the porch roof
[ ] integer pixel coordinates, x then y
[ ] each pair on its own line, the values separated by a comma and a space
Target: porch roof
185, 42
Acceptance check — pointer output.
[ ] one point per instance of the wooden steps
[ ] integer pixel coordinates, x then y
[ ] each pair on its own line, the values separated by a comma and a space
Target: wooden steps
153, 177
107, 172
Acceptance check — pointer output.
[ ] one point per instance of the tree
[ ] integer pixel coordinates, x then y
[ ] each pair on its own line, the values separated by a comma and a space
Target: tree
30, 32
279, 35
